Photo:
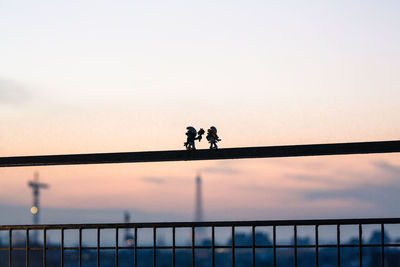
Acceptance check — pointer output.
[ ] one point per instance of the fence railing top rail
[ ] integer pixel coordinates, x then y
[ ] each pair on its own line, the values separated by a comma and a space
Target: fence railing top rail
207, 224
206, 154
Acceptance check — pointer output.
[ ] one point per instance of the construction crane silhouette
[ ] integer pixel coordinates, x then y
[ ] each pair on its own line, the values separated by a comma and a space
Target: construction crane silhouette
35, 210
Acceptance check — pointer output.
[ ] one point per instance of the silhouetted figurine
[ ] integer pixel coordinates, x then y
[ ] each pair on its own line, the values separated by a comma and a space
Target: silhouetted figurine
212, 137
191, 137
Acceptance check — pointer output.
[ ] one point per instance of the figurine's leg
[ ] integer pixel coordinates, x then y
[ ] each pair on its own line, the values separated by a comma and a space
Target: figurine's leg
191, 146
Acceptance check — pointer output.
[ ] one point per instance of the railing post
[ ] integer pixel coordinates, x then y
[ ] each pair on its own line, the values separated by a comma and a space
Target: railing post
44, 247
212, 246
295, 245
27, 247
193, 244
233, 246
382, 245
80, 246
116, 246
316, 246
274, 244
98, 246
154, 247
253, 245
62, 247
173, 246
135, 249
338, 244
360, 244
10, 248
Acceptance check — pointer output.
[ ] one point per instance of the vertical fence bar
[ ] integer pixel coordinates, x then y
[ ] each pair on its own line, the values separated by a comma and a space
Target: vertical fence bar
274, 244
212, 246
193, 243
233, 246
154, 246
62, 247
173, 246
382, 245
360, 244
316, 246
98, 247
27, 248
295, 245
135, 249
116, 246
44, 247
9, 248
253, 245
338, 244
80, 247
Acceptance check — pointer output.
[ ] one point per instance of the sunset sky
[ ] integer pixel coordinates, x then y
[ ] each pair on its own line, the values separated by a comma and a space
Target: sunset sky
102, 76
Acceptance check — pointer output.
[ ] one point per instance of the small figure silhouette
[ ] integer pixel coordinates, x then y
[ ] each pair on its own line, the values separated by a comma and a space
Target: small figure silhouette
212, 137
191, 137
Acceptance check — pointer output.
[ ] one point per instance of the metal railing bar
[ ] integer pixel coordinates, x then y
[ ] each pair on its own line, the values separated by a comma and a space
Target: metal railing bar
360, 244
10, 247
316, 246
274, 244
135, 249
253, 245
173, 246
233, 246
363, 221
206, 154
193, 246
98, 247
44, 247
62, 247
338, 244
27, 248
116, 247
295, 245
382, 245
210, 247
154, 246
80, 247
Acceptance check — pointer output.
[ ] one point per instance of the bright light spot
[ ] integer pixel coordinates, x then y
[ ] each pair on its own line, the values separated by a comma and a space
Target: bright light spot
34, 210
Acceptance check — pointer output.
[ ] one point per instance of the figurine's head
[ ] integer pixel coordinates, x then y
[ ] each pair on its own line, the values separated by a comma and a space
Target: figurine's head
212, 128
191, 129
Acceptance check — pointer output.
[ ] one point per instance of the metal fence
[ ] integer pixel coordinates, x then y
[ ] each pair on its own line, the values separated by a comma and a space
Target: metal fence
198, 244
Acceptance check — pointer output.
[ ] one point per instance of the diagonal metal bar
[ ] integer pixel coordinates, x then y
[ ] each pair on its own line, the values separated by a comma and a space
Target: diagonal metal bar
205, 154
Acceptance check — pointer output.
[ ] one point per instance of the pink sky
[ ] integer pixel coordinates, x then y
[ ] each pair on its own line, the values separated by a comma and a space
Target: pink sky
82, 77
333, 186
